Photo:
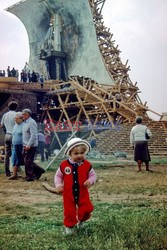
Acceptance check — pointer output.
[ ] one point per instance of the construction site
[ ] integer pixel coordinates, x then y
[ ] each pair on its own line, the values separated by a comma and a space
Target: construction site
87, 91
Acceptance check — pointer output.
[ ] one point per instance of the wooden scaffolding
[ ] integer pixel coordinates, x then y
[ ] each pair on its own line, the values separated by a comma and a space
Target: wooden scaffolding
82, 101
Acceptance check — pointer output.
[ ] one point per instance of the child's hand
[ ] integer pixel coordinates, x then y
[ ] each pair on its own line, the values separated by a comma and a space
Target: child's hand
59, 189
87, 184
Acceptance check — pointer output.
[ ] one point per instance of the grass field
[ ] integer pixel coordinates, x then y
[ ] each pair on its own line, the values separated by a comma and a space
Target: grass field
130, 212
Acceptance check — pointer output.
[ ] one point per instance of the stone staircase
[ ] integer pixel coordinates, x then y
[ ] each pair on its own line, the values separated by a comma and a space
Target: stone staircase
111, 141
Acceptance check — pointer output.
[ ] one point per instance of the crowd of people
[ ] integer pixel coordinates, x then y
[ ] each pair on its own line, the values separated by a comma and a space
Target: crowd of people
31, 76
2, 73
21, 142
75, 175
9, 72
26, 75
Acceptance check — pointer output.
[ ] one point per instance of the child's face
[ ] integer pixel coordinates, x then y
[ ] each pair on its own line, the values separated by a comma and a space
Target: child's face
78, 153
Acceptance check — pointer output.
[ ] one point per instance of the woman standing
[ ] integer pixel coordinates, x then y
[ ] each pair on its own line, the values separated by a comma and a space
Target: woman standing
17, 145
139, 142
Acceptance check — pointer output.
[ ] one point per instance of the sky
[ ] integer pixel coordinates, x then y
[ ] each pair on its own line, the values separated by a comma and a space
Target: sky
139, 28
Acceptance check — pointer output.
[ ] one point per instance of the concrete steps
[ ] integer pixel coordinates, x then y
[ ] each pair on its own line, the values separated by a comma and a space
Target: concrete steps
111, 141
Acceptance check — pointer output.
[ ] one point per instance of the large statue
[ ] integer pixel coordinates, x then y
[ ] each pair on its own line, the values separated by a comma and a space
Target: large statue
48, 43
74, 35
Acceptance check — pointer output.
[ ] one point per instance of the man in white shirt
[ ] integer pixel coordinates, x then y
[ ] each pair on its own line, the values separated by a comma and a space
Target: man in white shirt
8, 122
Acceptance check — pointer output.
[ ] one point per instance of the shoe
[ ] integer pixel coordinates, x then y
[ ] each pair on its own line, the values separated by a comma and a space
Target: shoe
8, 174
69, 230
13, 177
148, 170
80, 224
37, 177
28, 179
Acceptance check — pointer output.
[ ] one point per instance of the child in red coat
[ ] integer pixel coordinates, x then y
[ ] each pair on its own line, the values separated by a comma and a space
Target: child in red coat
72, 179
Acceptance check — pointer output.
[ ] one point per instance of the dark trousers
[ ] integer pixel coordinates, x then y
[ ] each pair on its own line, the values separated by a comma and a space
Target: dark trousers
8, 152
47, 151
31, 168
41, 145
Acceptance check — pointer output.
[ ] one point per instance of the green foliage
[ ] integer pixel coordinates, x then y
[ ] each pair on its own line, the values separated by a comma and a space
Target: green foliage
130, 213
159, 161
112, 226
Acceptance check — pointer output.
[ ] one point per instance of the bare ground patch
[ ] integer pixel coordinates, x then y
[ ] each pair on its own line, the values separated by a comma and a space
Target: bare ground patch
114, 185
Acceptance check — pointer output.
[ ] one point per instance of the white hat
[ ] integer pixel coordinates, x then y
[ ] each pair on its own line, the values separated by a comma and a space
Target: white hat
76, 142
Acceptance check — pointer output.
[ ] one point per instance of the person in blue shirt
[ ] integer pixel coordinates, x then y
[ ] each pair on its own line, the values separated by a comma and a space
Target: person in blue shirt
17, 145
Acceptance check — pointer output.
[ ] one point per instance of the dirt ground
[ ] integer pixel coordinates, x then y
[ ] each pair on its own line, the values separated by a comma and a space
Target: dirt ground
114, 184
25, 193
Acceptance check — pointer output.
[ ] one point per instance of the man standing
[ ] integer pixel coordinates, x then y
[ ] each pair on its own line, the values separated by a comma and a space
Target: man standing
8, 122
30, 143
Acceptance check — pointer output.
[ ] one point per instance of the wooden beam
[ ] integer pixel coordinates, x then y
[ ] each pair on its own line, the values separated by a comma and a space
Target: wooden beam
52, 125
84, 111
62, 148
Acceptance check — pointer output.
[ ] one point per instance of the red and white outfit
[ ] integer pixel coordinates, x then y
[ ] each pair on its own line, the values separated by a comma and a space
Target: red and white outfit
77, 204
